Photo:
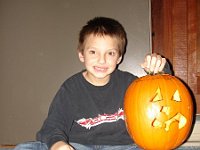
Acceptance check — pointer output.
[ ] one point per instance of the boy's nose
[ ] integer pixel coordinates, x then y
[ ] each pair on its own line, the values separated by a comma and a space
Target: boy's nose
102, 59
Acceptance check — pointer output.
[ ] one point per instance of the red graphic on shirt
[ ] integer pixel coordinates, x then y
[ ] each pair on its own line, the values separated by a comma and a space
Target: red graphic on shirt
105, 118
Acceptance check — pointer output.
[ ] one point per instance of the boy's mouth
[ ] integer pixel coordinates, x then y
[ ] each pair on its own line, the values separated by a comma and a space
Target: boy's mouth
100, 69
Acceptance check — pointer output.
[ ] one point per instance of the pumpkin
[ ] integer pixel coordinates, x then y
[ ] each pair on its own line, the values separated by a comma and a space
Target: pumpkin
158, 112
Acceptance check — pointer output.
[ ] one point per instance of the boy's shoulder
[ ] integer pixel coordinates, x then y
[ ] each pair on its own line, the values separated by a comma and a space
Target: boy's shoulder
123, 75
73, 79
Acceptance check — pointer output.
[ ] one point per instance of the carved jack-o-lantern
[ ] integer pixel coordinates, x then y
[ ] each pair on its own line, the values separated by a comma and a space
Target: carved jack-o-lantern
158, 112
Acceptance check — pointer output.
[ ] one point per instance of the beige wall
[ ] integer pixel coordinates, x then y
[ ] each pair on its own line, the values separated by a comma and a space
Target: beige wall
38, 41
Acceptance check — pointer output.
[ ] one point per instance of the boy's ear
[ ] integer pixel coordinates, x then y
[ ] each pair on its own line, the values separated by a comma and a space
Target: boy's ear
119, 60
81, 57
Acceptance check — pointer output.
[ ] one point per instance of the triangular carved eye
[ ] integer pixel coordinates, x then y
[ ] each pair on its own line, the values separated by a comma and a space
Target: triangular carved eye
158, 96
176, 97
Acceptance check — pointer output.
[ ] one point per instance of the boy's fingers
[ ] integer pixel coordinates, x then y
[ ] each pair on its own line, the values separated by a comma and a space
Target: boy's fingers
146, 64
148, 61
152, 63
157, 66
162, 65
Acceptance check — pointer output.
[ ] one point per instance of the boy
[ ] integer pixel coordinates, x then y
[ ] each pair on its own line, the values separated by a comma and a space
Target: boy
87, 111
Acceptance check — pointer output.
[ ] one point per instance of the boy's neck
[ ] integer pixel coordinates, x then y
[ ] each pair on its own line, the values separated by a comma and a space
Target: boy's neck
95, 81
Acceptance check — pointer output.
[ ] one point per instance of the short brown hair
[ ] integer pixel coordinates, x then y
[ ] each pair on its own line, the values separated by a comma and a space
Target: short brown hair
104, 26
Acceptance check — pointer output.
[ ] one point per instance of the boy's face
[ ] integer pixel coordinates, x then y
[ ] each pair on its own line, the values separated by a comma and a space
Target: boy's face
100, 57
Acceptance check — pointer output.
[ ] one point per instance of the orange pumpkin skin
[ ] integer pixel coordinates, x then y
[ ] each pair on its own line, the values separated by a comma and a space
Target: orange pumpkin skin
158, 112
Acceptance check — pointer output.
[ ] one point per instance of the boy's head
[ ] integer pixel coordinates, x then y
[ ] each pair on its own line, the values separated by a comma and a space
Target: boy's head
101, 26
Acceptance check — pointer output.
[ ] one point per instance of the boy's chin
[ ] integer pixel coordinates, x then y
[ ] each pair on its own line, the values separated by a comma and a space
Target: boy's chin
102, 75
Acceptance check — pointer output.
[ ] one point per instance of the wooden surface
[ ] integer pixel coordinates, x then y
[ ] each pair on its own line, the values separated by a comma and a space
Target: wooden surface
176, 35
7, 146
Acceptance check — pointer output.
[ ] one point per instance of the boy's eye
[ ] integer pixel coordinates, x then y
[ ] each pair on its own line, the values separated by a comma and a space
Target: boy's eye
92, 52
112, 53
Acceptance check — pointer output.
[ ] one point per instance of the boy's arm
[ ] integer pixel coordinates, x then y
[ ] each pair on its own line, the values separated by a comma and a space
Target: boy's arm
59, 121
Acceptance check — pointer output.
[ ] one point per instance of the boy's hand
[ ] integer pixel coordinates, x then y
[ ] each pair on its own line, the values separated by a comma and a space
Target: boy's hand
153, 63
61, 146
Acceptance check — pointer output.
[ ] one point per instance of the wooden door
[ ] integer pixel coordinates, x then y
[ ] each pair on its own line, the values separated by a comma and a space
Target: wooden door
176, 35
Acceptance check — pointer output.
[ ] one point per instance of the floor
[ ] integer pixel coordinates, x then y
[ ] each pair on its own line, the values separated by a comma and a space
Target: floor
181, 148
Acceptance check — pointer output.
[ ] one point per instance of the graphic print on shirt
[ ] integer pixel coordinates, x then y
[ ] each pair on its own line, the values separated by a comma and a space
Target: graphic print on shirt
100, 119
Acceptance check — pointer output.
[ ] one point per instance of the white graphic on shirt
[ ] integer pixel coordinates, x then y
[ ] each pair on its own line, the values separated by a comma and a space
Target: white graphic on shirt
105, 118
